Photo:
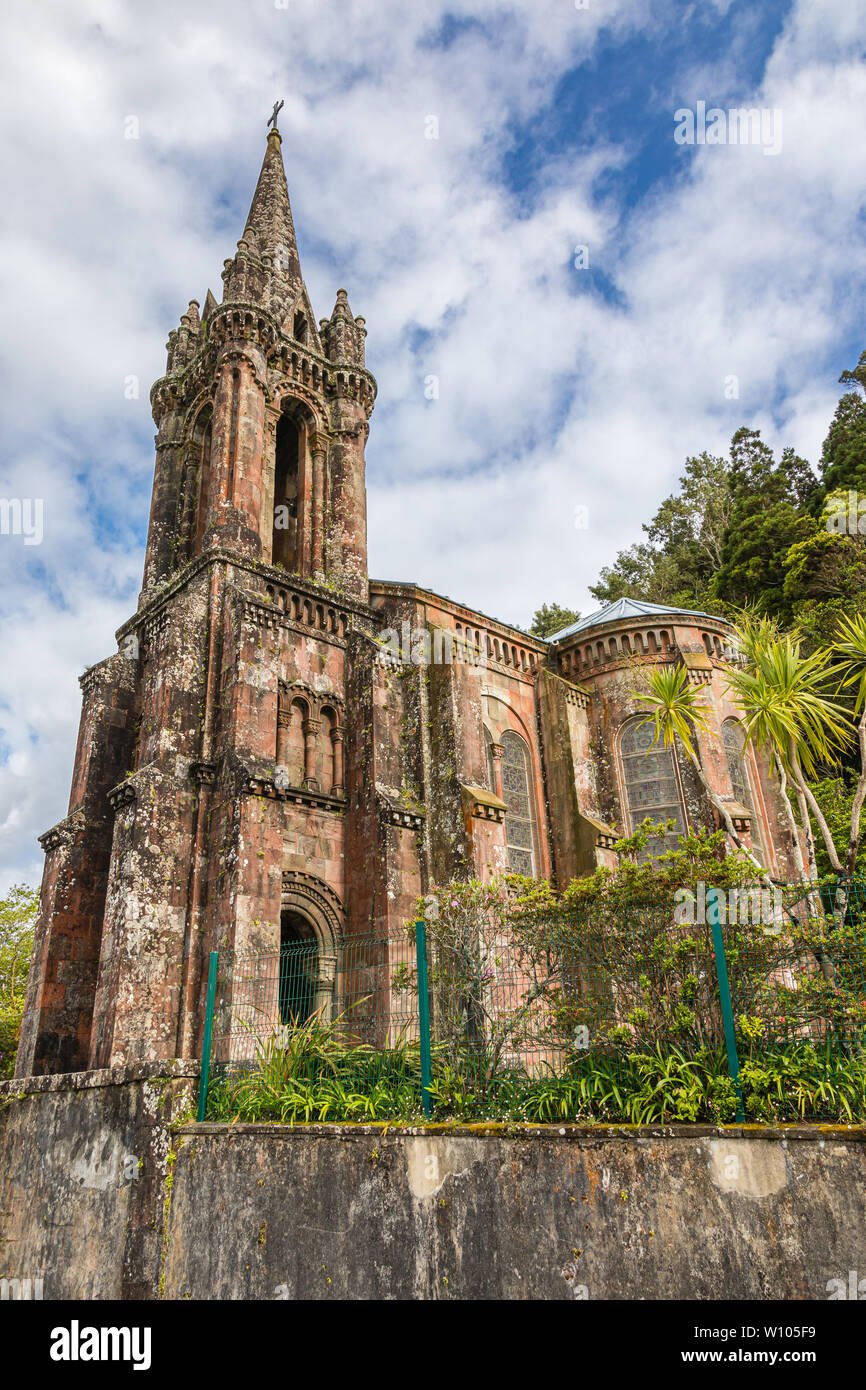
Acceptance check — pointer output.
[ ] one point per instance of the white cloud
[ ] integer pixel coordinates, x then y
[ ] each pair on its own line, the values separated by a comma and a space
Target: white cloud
550, 396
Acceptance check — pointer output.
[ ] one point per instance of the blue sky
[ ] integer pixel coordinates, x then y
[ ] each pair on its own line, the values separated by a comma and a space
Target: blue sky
558, 387
622, 91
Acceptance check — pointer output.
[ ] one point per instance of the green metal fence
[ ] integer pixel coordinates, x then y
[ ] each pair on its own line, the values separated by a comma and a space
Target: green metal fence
746, 1005
305, 1032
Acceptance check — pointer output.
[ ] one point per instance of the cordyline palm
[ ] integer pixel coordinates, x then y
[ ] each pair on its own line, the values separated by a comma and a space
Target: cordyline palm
850, 645
783, 698
674, 711
755, 631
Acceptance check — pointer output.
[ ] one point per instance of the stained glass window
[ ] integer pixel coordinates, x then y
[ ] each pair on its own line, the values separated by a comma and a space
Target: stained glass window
734, 742
735, 751
651, 785
517, 795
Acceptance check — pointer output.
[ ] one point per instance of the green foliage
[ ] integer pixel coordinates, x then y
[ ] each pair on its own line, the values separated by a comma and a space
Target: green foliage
800, 1083
661, 1086
683, 550
700, 858
675, 1087
635, 572
656, 1085
850, 648
17, 918
824, 566
810, 711
599, 1004
653, 1087
834, 797
843, 457
312, 1073
551, 618
675, 707
766, 519
753, 529
476, 932
783, 695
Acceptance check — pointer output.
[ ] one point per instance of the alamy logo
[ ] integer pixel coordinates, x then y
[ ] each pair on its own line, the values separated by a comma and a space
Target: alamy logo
22, 516
739, 126
852, 1288
759, 906
76, 1343
21, 1289
845, 514
418, 647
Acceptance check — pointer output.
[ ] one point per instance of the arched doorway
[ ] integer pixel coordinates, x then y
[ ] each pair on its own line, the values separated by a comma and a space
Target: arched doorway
308, 969
311, 935
299, 969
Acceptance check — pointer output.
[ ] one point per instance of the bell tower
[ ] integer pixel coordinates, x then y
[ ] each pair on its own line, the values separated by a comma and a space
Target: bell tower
216, 781
262, 416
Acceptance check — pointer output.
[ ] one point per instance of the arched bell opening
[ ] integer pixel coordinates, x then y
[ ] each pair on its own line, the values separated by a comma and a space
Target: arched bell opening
193, 488
286, 541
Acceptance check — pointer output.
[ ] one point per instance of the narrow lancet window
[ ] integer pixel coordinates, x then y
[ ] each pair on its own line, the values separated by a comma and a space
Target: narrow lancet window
285, 550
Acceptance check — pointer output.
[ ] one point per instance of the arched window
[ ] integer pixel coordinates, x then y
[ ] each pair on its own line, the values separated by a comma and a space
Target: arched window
285, 543
651, 784
325, 758
197, 486
291, 743
738, 769
517, 795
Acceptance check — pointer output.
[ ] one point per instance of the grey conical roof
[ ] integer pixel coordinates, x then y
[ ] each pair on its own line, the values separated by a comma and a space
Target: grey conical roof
621, 609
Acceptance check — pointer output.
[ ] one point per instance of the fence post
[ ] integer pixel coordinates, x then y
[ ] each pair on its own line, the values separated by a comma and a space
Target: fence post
714, 919
424, 1015
208, 1031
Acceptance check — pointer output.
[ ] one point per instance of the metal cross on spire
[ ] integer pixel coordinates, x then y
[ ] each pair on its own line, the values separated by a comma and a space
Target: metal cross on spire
278, 106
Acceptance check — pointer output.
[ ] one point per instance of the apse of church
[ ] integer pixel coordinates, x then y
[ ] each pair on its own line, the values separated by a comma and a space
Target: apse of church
254, 765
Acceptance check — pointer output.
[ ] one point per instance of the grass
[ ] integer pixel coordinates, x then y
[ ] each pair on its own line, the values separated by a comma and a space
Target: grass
313, 1075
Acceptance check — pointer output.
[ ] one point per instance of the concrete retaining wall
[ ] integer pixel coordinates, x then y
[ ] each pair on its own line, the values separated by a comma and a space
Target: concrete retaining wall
268, 1212
100, 1199
83, 1165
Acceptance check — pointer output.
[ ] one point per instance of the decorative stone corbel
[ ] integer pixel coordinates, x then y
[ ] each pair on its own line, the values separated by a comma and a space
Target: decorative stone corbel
699, 667
574, 695
399, 810
124, 794
63, 833
741, 816
482, 804
605, 836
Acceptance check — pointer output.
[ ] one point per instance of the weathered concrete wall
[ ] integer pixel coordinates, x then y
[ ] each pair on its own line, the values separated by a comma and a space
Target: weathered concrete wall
84, 1161
100, 1198
274, 1212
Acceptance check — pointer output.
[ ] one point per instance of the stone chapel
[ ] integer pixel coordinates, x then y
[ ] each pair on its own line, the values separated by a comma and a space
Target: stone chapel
262, 760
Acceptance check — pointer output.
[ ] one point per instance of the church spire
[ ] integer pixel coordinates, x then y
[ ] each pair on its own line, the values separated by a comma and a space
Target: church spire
269, 227
266, 268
